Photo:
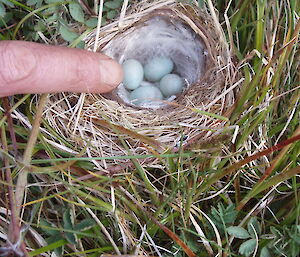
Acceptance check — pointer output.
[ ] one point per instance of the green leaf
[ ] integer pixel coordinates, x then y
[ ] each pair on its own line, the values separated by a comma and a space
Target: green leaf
57, 241
67, 34
68, 219
68, 225
8, 16
50, 10
76, 12
103, 21
51, 246
223, 215
229, 214
276, 232
35, 36
3, 21
54, 238
247, 247
111, 14
253, 224
112, 4
52, 1
2, 11
40, 26
84, 225
52, 18
46, 227
59, 251
92, 22
39, 4
71, 238
265, 252
31, 2
80, 45
7, 2
238, 232
200, 3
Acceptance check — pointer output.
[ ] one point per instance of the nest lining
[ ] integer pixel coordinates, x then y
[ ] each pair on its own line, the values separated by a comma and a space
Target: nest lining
160, 37
98, 121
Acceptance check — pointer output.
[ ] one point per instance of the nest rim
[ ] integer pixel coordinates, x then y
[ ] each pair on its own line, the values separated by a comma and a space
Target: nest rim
155, 124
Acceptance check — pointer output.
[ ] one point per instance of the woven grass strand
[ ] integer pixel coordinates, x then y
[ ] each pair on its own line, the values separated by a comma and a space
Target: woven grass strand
179, 119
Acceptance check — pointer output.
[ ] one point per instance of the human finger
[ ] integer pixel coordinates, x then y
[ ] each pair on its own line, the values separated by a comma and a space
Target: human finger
27, 67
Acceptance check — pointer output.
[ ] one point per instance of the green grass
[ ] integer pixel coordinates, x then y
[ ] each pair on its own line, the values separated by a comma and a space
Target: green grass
235, 198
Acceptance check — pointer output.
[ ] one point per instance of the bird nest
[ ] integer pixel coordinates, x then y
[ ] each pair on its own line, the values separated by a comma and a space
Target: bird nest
109, 125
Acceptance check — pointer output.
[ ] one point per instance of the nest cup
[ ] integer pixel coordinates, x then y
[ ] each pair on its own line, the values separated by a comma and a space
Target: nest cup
109, 125
160, 34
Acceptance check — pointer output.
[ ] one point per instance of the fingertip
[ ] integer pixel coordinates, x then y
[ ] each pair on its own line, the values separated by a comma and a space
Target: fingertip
38, 68
111, 74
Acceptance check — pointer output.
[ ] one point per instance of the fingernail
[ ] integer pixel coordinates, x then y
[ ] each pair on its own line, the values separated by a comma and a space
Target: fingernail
17, 61
111, 72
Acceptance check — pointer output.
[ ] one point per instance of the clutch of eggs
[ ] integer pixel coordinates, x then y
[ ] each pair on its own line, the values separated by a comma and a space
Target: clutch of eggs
152, 82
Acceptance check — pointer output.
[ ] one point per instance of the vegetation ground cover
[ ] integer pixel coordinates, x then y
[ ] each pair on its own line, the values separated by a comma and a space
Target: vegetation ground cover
236, 197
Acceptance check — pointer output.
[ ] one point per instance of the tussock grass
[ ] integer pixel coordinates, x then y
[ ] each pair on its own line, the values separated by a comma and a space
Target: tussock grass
192, 203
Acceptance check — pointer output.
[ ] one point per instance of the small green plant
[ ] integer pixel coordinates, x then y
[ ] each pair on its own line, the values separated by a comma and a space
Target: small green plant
251, 234
53, 19
284, 241
223, 217
68, 231
263, 38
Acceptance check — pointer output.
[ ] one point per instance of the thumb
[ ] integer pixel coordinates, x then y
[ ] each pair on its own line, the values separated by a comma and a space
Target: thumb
27, 67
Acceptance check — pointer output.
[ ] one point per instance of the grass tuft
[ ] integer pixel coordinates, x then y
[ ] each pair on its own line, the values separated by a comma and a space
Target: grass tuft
231, 198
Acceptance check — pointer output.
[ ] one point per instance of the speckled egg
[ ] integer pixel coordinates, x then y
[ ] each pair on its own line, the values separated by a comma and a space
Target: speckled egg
133, 74
158, 67
145, 94
171, 84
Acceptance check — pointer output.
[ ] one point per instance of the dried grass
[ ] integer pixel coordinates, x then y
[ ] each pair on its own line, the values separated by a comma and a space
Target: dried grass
76, 116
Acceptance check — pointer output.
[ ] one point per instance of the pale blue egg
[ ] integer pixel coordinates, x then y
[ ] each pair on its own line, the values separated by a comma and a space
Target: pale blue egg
158, 67
145, 94
146, 83
171, 84
133, 74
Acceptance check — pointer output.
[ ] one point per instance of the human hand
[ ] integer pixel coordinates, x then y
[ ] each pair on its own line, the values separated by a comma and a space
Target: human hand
27, 67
